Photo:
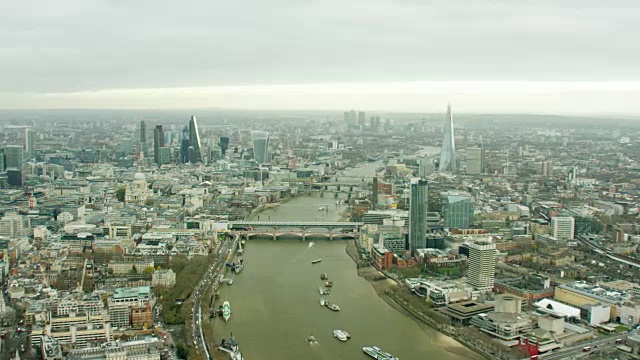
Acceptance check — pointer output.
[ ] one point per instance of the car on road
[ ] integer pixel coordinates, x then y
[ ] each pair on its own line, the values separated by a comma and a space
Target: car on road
586, 348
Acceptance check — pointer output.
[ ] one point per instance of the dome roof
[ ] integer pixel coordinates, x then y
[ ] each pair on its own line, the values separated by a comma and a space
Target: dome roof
139, 176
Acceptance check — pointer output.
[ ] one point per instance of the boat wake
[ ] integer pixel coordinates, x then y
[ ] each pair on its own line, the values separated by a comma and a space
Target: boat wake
311, 244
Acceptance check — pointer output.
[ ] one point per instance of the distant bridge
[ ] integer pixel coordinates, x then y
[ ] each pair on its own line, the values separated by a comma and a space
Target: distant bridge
297, 224
275, 234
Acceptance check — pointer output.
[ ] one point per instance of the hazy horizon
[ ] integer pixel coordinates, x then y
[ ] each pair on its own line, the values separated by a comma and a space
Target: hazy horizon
574, 57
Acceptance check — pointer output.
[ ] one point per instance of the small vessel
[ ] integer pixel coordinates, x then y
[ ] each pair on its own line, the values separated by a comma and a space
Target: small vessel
320, 208
226, 310
328, 284
331, 306
324, 290
338, 203
324, 276
316, 261
231, 347
238, 267
311, 243
323, 302
377, 353
341, 335
312, 340
230, 281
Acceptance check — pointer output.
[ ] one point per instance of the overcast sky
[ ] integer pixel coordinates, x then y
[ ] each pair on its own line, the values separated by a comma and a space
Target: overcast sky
551, 56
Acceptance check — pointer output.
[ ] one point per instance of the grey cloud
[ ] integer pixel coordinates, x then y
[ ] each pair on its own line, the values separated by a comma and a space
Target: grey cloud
80, 45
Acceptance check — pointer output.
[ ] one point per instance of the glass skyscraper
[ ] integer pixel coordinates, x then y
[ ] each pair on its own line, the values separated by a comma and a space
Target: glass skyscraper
260, 141
458, 211
194, 141
158, 143
417, 214
448, 151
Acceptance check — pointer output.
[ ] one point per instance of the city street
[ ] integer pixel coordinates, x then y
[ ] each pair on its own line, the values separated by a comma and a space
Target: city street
223, 254
578, 350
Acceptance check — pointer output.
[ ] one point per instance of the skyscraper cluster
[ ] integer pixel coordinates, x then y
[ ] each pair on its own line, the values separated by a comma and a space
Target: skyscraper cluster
190, 145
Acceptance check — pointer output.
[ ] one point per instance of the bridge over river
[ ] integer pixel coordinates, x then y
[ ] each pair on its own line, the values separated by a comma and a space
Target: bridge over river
329, 229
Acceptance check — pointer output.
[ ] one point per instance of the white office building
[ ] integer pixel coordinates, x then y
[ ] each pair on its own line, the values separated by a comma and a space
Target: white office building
562, 227
482, 265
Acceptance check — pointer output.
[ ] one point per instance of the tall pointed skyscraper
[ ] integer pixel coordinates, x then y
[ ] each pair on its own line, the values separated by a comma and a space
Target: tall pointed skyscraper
448, 152
194, 141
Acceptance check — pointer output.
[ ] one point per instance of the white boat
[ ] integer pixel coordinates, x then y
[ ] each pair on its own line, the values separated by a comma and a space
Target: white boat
226, 310
341, 335
230, 281
323, 302
377, 353
320, 209
324, 290
316, 261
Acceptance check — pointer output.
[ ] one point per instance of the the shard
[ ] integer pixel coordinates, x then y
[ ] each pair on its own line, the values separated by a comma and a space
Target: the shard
448, 152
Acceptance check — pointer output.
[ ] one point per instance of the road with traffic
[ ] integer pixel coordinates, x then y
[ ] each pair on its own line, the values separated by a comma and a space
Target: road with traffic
579, 350
210, 277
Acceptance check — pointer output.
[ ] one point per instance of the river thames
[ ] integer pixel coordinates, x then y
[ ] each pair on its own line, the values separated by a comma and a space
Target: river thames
275, 299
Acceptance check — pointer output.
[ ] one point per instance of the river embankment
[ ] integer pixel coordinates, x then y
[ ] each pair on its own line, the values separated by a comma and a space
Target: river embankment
389, 291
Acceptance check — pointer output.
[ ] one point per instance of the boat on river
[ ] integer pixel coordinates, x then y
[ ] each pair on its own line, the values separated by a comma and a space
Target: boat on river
332, 306
377, 353
341, 335
316, 261
324, 290
312, 340
328, 284
324, 276
226, 310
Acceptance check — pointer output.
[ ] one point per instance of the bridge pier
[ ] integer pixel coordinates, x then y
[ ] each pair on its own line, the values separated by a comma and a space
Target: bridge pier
275, 236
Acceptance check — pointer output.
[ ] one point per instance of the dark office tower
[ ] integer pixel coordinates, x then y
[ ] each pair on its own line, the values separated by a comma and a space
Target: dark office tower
224, 144
143, 132
374, 193
14, 157
191, 152
2, 161
361, 120
194, 141
448, 151
184, 145
158, 143
417, 214
260, 141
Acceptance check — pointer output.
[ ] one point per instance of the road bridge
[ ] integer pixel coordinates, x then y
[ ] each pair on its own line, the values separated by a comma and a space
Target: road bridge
296, 224
304, 234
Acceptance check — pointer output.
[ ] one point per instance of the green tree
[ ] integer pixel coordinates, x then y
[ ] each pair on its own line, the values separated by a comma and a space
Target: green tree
182, 350
149, 202
148, 270
134, 270
120, 193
